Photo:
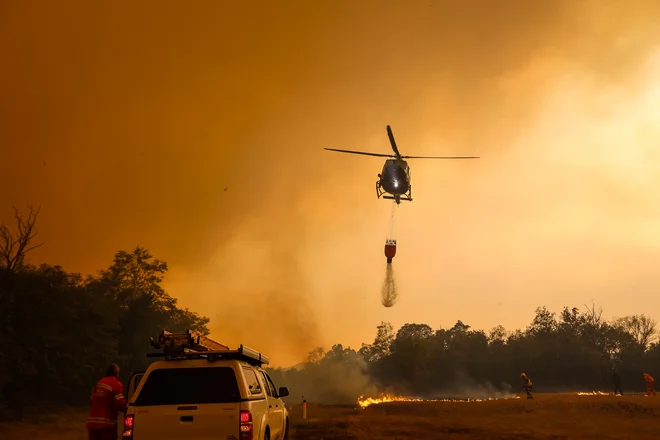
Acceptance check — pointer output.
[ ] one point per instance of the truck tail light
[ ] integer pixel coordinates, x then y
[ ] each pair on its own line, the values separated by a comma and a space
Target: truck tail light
246, 426
129, 423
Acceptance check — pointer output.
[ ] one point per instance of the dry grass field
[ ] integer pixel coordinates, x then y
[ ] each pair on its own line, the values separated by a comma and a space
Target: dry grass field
69, 425
549, 416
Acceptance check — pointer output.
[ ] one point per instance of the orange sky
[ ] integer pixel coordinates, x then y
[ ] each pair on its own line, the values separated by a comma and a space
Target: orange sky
125, 123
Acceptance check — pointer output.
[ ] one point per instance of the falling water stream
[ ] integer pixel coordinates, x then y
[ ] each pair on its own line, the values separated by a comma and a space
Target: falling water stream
389, 287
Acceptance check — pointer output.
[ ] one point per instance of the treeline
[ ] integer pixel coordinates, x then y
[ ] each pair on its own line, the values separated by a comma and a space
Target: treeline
59, 330
571, 351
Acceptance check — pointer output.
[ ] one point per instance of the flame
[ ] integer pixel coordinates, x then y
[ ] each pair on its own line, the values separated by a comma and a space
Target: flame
593, 393
366, 401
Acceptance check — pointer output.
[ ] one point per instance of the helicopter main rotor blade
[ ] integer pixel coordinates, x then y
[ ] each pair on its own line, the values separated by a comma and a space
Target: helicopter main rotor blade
391, 136
440, 157
359, 152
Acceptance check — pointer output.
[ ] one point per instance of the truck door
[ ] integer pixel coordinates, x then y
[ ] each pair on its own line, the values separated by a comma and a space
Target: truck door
275, 412
279, 405
133, 383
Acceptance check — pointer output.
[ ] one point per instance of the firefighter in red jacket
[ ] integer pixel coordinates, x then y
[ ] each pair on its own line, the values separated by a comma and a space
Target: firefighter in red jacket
107, 400
650, 384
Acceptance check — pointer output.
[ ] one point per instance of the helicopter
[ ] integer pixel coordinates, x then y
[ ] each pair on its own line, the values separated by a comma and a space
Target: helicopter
394, 181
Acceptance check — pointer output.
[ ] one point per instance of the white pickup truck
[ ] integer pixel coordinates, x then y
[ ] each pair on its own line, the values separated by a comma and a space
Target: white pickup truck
201, 395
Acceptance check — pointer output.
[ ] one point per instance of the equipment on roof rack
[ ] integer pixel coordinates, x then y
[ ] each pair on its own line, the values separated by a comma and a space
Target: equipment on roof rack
189, 345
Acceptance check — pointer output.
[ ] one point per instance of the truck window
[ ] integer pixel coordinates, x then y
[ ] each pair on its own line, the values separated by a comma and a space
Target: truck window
181, 386
252, 382
270, 383
269, 388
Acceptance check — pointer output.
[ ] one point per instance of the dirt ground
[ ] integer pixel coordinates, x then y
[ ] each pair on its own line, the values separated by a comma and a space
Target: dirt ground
549, 416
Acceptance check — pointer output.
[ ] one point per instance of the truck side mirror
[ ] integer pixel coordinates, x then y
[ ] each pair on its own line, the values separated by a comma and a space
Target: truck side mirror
283, 392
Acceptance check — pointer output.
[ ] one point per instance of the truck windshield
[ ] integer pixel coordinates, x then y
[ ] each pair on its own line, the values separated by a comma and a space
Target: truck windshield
180, 386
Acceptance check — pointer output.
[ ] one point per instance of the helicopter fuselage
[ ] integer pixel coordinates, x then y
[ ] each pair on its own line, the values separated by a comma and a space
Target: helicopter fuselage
395, 177
394, 180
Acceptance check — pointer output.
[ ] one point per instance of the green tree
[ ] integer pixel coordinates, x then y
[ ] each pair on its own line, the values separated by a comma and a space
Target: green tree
133, 281
380, 348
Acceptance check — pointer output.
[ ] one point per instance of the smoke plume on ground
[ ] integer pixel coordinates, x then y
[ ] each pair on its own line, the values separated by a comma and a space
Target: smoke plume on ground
337, 380
388, 291
342, 376
465, 386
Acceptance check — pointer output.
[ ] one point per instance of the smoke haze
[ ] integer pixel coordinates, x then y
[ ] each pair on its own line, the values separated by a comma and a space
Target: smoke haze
126, 123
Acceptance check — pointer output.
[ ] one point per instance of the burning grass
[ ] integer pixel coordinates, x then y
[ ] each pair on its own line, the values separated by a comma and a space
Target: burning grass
364, 402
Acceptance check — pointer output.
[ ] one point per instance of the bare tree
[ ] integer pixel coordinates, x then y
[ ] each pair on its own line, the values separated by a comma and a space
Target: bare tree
14, 246
641, 327
593, 316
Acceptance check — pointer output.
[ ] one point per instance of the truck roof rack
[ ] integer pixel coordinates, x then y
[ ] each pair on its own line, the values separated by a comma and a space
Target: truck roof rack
193, 345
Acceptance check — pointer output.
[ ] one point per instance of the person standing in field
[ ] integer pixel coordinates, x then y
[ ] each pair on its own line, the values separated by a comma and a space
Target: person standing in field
650, 384
617, 382
106, 401
527, 385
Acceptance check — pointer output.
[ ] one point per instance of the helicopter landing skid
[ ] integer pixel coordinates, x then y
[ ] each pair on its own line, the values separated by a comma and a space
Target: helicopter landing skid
406, 197
380, 193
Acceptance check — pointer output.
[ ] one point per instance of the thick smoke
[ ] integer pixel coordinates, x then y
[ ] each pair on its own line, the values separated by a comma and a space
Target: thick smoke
257, 293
